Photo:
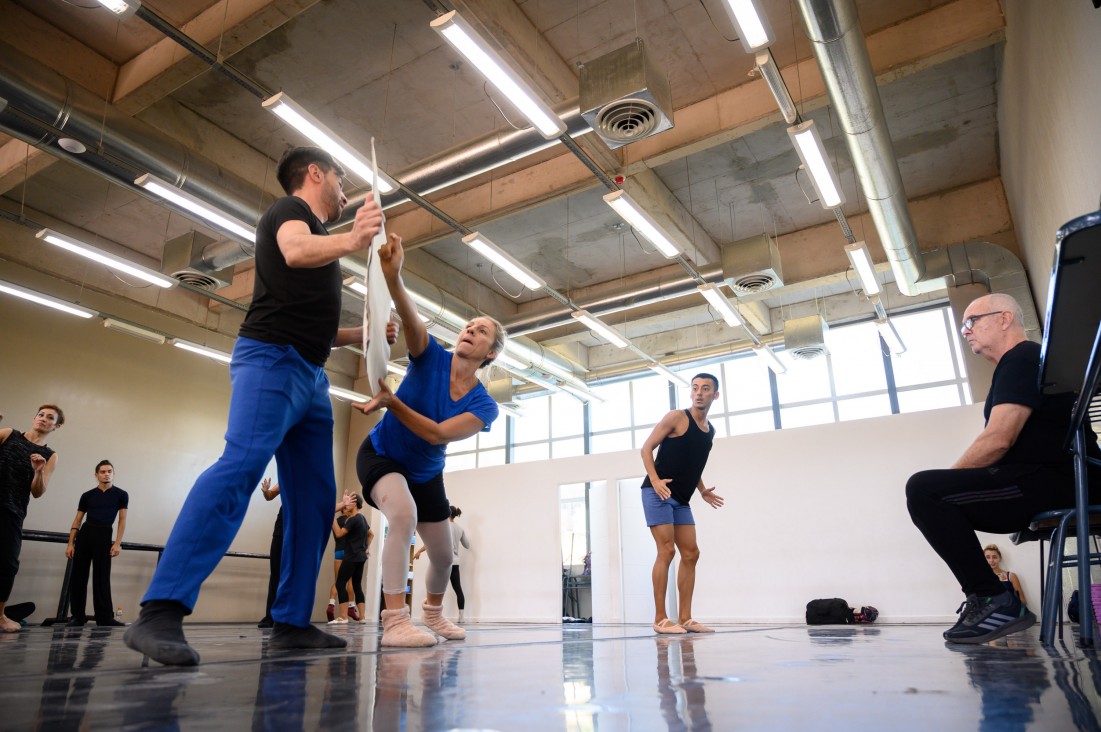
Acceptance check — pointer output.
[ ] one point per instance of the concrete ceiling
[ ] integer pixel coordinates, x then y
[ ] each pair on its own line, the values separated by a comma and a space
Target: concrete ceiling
374, 67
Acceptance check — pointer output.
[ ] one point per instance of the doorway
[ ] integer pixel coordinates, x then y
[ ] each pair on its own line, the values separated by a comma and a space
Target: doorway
575, 530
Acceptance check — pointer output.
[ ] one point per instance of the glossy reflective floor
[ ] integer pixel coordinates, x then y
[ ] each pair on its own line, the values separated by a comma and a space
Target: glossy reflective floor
549, 677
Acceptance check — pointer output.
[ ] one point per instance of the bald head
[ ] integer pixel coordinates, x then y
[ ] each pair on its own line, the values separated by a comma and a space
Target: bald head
993, 324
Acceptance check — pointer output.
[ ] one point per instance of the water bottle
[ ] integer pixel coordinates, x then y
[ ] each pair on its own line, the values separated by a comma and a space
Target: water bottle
118, 615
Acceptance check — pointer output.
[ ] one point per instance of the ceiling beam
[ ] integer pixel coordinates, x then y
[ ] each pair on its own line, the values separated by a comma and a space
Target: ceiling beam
944, 33
226, 27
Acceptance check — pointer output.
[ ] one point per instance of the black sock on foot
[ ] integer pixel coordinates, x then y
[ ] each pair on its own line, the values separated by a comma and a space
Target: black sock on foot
293, 636
158, 633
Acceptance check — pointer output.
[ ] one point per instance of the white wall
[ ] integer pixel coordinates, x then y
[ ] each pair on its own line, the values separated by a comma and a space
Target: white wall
1049, 123
159, 414
811, 512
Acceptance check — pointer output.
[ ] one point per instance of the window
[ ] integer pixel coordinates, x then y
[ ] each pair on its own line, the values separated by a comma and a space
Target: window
853, 381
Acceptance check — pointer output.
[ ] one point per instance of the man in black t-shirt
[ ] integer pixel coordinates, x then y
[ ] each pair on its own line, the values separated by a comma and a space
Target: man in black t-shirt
1016, 468
279, 407
90, 547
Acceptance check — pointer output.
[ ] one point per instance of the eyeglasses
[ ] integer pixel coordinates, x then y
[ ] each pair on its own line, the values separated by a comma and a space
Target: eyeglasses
970, 322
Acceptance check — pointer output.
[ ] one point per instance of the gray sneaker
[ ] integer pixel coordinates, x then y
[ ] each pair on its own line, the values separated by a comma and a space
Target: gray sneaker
984, 619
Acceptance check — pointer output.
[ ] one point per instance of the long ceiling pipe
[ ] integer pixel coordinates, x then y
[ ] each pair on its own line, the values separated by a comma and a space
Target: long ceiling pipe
43, 106
838, 43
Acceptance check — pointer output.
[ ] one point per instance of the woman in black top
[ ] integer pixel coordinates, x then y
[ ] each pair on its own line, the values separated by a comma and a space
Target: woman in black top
357, 536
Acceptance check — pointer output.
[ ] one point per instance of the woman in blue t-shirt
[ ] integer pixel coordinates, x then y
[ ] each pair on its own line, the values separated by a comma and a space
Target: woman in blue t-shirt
400, 464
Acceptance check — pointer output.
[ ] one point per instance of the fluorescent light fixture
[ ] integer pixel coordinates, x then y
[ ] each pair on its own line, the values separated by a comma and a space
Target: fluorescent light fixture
507, 409
538, 360
348, 395
444, 333
358, 287
50, 302
812, 153
395, 369
600, 328
297, 117
661, 370
134, 330
583, 394
750, 23
862, 263
508, 362
121, 8
201, 350
720, 302
188, 202
890, 336
770, 72
641, 221
460, 34
109, 260
505, 261
771, 359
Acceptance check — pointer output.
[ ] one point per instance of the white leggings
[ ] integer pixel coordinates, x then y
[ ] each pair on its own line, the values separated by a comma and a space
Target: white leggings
391, 495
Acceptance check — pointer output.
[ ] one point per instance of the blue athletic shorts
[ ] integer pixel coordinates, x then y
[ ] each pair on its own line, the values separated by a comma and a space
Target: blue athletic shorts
338, 554
669, 511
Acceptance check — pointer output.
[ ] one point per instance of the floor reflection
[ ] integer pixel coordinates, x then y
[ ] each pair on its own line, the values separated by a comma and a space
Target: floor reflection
1010, 677
683, 699
63, 704
557, 679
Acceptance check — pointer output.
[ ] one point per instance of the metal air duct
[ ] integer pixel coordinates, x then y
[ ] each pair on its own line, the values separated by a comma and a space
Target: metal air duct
834, 29
805, 338
41, 104
625, 97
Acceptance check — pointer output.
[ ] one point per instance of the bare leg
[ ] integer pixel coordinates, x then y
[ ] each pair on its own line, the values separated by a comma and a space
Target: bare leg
663, 537
685, 538
336, 571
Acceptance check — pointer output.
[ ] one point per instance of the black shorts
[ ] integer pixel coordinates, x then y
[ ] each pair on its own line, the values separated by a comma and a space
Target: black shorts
429, 496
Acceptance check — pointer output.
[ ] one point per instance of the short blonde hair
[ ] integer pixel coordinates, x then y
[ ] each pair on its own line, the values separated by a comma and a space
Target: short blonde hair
993, 548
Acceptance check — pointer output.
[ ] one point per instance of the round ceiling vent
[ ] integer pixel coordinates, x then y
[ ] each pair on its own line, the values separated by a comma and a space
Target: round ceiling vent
197, 279
806, 353
627, 120
756, 282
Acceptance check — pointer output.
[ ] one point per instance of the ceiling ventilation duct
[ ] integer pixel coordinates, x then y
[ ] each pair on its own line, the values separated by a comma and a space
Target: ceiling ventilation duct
805, 338
183, 259
625, 96
752, 265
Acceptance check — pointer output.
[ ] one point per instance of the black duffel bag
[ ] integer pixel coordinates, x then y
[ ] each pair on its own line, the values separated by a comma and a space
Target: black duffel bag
834, 611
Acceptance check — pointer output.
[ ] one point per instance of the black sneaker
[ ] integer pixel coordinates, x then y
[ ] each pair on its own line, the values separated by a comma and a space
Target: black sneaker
984, 619
75, 622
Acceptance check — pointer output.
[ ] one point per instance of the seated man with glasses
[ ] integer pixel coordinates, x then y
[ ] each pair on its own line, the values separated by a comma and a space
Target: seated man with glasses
1016, 468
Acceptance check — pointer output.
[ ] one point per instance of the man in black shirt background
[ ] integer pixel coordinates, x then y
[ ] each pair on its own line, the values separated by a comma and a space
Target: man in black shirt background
279, 407
1016, 468
90, 547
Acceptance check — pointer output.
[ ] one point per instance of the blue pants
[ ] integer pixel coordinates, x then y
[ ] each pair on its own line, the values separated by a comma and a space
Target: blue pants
279, 407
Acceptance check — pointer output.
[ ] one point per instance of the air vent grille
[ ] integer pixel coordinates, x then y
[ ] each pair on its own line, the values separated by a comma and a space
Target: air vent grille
198, 279
757, 282
627, 120
808, 352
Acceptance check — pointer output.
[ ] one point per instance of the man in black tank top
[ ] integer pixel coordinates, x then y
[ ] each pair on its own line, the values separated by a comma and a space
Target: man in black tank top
683, 440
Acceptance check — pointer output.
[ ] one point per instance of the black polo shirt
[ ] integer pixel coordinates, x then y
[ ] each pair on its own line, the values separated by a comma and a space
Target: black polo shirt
100, 508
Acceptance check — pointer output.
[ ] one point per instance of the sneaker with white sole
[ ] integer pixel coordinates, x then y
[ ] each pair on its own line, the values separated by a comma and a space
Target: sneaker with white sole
338, 621
984, 619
